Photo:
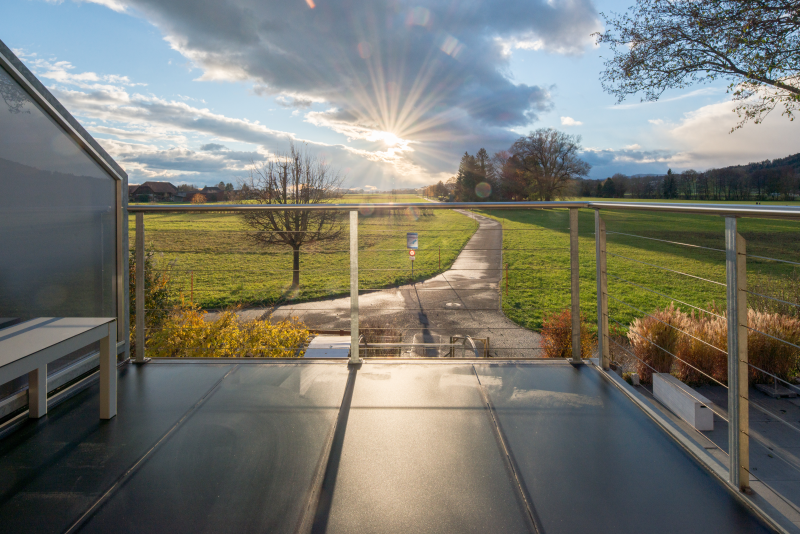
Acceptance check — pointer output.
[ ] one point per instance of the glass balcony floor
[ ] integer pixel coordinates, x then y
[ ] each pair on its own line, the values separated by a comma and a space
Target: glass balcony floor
390, 447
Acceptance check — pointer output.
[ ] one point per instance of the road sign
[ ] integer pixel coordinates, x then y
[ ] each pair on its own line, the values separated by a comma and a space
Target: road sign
413, 254
412, 240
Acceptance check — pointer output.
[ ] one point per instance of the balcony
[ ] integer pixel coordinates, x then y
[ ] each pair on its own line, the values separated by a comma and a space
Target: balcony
390, 447
454, 422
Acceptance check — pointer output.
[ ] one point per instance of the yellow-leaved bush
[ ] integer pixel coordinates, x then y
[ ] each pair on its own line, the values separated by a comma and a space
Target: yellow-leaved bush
187, 333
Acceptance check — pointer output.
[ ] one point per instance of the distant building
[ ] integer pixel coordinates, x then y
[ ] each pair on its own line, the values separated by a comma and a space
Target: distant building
154, 191
213, 193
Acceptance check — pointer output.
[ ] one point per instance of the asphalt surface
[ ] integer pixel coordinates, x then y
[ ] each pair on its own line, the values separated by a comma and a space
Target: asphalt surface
464, 300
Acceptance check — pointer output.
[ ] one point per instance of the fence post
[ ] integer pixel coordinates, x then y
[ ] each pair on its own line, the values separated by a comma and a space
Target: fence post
602, 290
354, 357
738, 397
140, 259
575, 289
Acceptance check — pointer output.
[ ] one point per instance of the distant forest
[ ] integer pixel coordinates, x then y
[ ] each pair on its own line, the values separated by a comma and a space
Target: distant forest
484, 178
778, 179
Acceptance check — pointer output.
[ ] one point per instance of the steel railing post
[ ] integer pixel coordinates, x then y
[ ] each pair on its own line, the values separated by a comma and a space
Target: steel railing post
354, 357
738, 397
140, 260
575, 286
602, 291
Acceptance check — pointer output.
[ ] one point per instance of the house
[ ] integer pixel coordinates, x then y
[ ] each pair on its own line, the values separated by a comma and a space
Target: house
140, 193
213, 193
152, 191
161, 191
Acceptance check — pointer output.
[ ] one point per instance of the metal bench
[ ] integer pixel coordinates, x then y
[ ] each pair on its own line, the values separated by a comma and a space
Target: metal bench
28, 347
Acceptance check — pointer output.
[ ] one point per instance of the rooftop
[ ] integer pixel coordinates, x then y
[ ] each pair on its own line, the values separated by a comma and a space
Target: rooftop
400, 446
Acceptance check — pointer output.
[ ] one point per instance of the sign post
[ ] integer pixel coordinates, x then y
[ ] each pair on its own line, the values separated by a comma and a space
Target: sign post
412, 243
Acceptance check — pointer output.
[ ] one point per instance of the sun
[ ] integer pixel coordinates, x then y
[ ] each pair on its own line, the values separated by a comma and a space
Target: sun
388, 138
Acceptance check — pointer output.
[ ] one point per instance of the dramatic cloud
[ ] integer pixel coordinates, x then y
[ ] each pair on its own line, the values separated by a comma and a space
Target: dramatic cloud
418, 72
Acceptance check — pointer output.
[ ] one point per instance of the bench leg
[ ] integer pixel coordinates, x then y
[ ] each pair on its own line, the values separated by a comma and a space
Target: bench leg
37, 392
108, 373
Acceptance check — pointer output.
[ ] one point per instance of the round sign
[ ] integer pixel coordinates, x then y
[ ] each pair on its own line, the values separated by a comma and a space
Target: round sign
412, 253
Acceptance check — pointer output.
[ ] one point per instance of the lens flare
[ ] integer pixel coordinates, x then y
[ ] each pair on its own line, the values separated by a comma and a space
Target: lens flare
419, 16
366, 211
483, 190
451, 46
364, 50
413, 213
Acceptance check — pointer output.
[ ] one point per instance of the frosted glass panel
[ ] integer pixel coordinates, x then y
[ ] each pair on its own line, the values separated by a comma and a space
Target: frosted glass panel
57, 223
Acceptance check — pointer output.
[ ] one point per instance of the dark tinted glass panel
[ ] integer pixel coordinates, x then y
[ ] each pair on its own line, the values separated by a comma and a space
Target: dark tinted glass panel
57, 223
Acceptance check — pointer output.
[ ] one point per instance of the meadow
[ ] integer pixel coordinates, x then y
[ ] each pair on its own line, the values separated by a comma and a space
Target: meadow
212, 261
536, 248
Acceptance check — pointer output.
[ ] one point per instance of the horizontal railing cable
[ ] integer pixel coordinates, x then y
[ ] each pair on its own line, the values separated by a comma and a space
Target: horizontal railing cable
772, 259
667, 324
774, 376
724, 418
771, 336
671, 354
667, 269
773, 298
667, 241
665, 296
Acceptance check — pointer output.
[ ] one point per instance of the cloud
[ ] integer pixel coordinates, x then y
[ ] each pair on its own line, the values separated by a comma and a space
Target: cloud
697, 92
703, 139
425, 72
212, 147
294, 102
624, 156
569, 121
700, 140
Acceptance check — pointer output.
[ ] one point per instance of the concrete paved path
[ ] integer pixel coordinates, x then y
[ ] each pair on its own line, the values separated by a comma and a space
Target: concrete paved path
465, 300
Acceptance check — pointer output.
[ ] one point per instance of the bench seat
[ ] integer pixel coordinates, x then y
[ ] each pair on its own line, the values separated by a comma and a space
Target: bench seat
27, 348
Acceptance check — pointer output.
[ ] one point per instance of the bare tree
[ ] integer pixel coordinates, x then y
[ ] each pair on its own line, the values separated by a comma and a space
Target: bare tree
549, 162
293, 178
665, 44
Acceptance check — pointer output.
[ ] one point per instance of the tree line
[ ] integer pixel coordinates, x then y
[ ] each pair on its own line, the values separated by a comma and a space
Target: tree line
777, 180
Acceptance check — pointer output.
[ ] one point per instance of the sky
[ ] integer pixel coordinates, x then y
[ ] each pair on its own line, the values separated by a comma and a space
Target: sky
391, 93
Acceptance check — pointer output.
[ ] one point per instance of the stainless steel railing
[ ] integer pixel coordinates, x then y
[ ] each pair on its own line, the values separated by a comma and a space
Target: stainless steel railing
735, 284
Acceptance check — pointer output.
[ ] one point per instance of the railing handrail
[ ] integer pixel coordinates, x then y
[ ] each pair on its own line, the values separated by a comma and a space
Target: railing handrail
723, 210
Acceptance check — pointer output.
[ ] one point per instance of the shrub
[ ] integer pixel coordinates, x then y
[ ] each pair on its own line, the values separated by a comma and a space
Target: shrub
770, 354
694, 353
659, 329
198, 198
187, 333
557, 336
159, 296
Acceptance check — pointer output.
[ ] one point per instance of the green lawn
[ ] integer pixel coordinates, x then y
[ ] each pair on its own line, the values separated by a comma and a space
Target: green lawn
536, 247
230, 269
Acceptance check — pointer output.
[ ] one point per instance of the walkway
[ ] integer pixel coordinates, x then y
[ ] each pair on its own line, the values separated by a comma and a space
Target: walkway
464, 300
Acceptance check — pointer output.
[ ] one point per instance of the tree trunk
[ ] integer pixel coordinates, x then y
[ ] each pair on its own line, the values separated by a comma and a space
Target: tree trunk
296, 268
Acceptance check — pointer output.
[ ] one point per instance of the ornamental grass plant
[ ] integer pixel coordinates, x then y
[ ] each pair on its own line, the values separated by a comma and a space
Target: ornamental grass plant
701, 355
699, 343
766, 352
654, 339
557, 336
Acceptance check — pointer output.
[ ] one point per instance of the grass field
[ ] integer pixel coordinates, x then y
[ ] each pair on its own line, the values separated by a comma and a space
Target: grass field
228, 268
536, 247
